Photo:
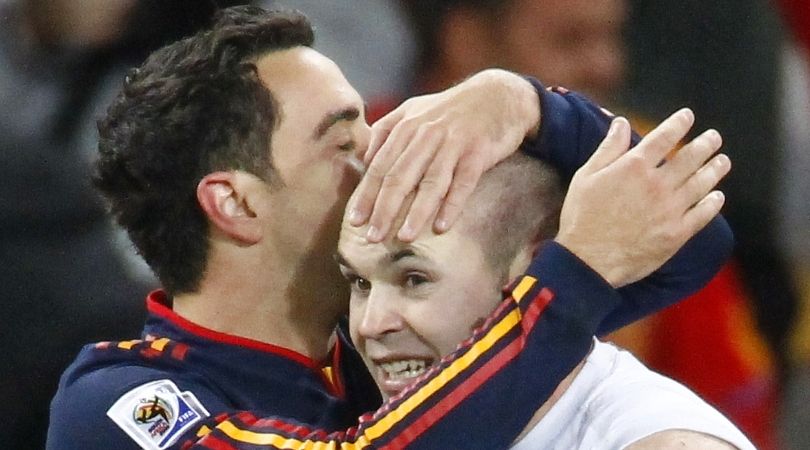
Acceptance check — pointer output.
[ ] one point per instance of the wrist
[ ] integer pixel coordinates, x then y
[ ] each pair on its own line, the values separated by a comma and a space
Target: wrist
522, 95
611, 273
530, 106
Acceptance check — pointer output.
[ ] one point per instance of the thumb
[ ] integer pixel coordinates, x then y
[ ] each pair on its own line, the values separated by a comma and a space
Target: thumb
615, 144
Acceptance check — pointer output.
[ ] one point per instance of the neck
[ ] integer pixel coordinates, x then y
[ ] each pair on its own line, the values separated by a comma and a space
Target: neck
270, 305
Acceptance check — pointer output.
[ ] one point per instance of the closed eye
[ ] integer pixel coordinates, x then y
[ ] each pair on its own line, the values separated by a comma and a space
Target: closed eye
415, 279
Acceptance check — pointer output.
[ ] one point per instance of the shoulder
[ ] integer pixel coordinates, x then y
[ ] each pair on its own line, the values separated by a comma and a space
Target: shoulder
680, 440
100, 394
635, 404
113, 366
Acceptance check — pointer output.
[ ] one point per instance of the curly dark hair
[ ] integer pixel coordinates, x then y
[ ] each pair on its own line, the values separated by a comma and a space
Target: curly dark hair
194, 107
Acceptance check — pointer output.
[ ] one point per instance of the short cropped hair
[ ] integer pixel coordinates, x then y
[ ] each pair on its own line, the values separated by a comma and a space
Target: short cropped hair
516, 202
194, 107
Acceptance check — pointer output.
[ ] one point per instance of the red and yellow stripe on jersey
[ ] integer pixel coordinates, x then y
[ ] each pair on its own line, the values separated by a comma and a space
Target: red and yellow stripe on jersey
407, 416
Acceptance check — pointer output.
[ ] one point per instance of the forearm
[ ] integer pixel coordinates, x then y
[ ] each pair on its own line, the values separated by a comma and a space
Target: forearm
510, 366
570, 130
684, 274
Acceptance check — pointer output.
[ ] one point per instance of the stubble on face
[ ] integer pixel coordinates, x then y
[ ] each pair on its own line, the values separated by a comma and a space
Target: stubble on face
321, 121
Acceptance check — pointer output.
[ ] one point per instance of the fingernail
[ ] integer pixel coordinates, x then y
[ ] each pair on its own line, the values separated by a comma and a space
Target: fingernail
441, 225
354, 216
715, 136
617, 124
373, 233
614, 125
405, 232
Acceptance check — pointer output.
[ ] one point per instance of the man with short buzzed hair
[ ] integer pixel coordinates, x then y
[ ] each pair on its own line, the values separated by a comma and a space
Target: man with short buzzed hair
411, 302
229, 157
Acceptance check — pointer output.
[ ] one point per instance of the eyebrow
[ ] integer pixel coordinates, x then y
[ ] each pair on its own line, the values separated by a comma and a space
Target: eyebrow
393, 258
340, 259
402, 254
330, 119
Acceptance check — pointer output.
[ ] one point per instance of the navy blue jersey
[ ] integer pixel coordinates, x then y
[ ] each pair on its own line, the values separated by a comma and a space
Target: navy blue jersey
184, 386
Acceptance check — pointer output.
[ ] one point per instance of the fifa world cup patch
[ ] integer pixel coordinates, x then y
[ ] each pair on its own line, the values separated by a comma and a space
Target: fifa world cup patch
155, 414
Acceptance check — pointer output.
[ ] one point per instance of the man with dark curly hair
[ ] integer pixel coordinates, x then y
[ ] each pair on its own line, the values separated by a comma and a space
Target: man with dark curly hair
229, 158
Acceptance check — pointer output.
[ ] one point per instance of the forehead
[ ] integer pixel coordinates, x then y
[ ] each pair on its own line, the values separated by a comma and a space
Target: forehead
305, 82
428, 246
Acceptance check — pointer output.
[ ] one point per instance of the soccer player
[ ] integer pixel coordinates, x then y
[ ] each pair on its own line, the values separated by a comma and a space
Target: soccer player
229, 157
412, 302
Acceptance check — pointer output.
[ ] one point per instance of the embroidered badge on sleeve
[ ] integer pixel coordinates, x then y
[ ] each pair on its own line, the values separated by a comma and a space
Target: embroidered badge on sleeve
155, 414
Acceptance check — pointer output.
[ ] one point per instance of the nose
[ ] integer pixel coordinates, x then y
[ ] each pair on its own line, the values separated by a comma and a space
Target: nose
379, 316
363, 136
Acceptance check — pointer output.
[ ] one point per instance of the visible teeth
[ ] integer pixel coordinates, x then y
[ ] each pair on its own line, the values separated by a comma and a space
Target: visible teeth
398, 370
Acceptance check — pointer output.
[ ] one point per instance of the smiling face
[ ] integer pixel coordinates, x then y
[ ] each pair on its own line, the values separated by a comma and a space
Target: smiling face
412, 304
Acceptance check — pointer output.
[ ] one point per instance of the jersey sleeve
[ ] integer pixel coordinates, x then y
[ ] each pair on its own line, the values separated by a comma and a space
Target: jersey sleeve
571, 129
500, 376
127, 406
483, 393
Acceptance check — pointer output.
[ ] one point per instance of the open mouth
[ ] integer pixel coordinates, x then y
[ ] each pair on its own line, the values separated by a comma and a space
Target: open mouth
395, 375
399, 370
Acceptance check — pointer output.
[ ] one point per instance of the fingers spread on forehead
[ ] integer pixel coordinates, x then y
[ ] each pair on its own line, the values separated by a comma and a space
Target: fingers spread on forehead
655, 146
396, 222
465, 179
403, 178
431, 191
380, 166
692, 156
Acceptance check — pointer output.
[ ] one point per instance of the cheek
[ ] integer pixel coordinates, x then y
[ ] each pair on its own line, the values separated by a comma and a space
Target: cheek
446, 323
442, 331
356, 312
480, 299
329, 184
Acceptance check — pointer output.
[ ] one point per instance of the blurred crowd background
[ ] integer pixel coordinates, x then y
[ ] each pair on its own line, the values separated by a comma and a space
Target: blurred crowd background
69, 277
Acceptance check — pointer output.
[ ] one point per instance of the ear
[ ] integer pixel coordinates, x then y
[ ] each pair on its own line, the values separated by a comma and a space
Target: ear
524, 258
223, 197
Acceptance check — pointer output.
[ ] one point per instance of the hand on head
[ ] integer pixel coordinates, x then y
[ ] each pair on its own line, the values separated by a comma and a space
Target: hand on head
439, 145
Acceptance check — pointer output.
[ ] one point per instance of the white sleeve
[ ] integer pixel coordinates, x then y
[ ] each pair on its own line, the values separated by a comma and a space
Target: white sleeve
639, 402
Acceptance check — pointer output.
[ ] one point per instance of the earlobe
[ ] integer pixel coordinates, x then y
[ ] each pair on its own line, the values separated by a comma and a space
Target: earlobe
221, 197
